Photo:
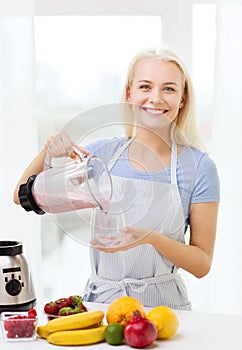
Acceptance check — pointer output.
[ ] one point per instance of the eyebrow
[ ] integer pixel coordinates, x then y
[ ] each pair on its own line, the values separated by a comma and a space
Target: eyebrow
144, 81
150, 82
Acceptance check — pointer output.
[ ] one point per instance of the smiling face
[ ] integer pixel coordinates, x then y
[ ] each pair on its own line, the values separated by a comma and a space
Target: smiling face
157, 90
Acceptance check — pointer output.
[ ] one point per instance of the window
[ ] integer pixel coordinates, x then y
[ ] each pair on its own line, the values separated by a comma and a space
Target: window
204, 45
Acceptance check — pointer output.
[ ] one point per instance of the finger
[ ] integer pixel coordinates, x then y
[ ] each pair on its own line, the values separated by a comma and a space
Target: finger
72, 148
60, 145
54, 146
137, 232
125, 229
107, 249
48, 143
79, 152
132, 232
101, 248
57, 149
82, 150
123, 245
66, 142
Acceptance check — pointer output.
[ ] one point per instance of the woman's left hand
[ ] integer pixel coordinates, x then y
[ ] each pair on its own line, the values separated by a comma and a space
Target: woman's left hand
132, 237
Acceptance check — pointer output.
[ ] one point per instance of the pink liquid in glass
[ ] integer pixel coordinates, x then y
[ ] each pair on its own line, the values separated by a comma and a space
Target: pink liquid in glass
108, 230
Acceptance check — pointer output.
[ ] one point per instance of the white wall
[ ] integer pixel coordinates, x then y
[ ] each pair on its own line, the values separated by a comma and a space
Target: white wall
18, 142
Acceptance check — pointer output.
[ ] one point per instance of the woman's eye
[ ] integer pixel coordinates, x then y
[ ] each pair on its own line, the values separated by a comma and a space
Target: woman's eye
144, 87
168, 88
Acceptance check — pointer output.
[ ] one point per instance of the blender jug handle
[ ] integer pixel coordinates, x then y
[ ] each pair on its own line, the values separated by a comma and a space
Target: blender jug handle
47, 163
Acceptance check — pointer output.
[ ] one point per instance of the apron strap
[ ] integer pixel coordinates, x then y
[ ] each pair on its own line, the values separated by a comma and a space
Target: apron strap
107, 288
173, 163
118, 153
173, 159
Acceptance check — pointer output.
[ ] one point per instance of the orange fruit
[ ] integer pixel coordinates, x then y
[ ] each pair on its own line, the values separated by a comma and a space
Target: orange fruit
121, 310
165, 320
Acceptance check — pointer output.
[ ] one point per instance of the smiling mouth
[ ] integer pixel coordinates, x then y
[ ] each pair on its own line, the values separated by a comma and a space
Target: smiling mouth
155, 112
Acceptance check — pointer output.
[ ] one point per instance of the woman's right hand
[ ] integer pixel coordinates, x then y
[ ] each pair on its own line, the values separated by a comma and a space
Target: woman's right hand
60, 145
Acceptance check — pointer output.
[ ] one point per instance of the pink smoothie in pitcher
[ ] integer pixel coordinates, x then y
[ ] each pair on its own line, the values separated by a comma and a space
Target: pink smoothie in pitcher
72, 201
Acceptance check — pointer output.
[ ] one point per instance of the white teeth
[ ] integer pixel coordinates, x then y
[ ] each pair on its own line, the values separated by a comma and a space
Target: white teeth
155, 111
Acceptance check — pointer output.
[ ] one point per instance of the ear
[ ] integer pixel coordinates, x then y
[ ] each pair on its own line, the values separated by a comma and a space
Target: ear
182, 102
128, 94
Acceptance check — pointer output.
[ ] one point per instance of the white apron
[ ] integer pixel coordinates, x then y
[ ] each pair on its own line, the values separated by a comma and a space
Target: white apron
142, 272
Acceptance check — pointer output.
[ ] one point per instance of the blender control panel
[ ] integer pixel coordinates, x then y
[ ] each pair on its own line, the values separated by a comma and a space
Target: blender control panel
13, 280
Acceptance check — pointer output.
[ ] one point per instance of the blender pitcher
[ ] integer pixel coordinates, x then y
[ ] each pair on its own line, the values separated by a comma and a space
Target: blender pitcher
79, 184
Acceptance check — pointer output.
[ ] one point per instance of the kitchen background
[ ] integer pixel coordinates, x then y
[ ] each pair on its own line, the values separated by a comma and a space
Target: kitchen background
60, 57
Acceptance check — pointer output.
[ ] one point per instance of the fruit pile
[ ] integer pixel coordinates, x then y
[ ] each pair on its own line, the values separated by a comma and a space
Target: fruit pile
21, 326
127, 323
64, 307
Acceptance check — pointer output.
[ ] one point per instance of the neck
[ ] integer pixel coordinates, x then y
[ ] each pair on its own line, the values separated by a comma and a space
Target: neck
153, 140
149, 152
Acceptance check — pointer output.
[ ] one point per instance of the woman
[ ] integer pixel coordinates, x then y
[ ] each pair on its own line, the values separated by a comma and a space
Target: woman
162, 181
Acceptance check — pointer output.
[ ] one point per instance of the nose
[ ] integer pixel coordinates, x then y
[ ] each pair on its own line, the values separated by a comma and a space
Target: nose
156, 96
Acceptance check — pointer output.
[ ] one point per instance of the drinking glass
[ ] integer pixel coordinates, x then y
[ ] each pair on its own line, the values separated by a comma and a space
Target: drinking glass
106, 227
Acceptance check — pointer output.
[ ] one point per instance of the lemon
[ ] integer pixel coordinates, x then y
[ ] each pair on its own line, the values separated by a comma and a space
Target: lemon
165, 320
114, 333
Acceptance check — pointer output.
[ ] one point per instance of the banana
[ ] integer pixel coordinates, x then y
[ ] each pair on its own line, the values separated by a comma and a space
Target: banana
77, 337
76, 321
42, 332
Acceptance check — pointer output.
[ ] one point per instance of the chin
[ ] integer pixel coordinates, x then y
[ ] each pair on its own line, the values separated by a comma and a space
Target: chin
155, 124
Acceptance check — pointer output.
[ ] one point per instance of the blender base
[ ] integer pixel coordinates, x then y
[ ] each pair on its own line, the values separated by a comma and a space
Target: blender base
18, 307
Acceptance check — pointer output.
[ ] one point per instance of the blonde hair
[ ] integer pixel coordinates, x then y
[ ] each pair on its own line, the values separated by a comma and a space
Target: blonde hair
184, 130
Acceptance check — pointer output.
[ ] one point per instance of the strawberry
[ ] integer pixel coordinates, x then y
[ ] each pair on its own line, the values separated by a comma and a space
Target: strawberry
65, 311
83, 307
63, 302
78, 309
32, 313
51, 308
75, 300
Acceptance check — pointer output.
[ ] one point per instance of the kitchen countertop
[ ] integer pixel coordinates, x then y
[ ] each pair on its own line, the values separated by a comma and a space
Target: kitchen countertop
197, 331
